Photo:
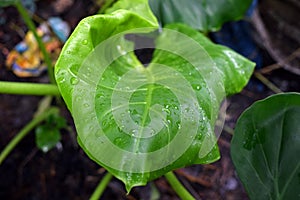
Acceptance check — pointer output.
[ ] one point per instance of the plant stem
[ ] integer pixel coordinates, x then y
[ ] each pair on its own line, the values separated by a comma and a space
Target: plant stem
33, 123
101, 186
228, 129
268, 83
32, 28
178, 187
28, 88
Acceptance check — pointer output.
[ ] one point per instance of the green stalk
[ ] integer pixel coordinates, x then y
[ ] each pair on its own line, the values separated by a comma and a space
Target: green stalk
101, 187
28, 88
178, 187
32, 28
267, 83
33, 123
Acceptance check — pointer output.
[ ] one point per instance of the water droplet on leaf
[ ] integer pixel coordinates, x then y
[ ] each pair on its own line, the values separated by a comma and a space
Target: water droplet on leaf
84, 42
78, 98
133, 132
86, 105
178, 125
152, 132
167, 111
61, 79
118, 141
74, 81
187, 110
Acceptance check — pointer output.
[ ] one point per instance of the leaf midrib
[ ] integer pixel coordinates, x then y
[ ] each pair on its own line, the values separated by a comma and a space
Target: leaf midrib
148, 101
281, 195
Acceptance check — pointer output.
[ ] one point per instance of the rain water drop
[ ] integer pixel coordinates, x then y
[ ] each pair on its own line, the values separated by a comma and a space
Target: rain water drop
74, 81
118, 141
61, 79
86, 105
84, 42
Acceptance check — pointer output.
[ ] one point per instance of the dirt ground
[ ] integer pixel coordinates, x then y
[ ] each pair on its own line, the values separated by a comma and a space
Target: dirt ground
67, 173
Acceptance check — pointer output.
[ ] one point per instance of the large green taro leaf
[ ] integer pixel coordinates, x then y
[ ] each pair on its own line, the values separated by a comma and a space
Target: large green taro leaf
266, 146
142, 122
203, 15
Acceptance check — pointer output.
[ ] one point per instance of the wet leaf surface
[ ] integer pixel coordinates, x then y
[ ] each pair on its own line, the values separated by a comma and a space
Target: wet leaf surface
266, 146
200, 14
141, 122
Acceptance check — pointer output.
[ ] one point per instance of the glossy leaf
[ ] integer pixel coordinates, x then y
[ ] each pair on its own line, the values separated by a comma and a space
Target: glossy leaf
139, 7
266, 146
202, 15
142, 122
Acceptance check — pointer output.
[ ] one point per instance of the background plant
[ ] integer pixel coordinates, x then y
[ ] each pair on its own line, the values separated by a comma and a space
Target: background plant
266, 145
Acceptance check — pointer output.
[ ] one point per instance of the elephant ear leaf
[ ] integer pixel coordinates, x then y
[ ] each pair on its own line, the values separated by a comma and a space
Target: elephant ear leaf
202, 15
266, 145
142, 122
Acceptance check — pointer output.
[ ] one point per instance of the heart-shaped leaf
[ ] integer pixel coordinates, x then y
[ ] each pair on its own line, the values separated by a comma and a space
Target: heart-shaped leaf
202, 15
142, 122
265, 148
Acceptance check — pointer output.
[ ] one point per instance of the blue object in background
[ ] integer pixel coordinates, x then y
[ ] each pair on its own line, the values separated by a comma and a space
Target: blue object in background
237, 36
60, 28
21, 47
29, 5
252, 8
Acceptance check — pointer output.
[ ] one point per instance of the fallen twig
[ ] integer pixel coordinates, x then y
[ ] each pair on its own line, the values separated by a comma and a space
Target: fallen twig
191, 178
267, 43
278, 65
266, 82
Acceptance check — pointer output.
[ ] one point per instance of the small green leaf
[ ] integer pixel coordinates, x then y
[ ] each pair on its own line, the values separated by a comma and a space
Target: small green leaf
48, 134
142, 122
202, 15
56, 121
46, 137
265, 148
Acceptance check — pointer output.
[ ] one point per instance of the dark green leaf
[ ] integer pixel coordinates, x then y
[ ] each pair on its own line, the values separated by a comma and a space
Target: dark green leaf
266, 146
202, 15
56, 121
48, 134
140, 123
46, 137
4, 3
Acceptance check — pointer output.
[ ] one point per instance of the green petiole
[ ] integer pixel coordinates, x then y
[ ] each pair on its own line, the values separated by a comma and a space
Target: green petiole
39, 89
